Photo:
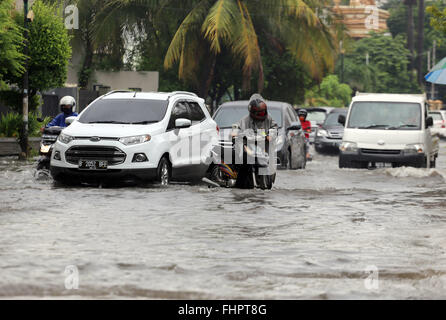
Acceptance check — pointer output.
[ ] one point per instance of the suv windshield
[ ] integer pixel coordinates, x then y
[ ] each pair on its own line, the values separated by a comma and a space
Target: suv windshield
318, 116
125, 111
332, 120
227, 116
385, 115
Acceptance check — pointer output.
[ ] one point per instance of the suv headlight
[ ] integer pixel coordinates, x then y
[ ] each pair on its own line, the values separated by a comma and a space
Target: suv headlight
135, 139
349, 147
64, 138
414, 148
322, 133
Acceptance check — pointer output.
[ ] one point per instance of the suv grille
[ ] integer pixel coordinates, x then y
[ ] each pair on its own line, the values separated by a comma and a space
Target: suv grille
113, 155
377, 151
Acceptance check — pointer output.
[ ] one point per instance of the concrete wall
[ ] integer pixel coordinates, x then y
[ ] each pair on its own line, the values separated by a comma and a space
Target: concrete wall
123, 80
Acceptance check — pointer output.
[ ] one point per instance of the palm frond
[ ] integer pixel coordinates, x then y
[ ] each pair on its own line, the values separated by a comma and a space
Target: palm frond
246, 45
177, 48
218, 25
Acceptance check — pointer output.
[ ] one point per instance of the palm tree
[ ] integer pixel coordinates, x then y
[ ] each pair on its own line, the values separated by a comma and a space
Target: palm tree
208, 27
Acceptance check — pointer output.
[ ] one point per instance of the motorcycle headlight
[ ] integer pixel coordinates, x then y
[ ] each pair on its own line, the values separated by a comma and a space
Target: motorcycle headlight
322, 133
128, 141
349, 147
414, 148
64, 138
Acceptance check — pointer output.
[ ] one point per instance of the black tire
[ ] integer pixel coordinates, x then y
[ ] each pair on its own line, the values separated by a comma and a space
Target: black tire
303, 163
318, 149
433, 163
290, 161
164, 172
265, 182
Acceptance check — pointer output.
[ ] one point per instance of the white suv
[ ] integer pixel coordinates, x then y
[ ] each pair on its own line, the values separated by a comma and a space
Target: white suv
148, 136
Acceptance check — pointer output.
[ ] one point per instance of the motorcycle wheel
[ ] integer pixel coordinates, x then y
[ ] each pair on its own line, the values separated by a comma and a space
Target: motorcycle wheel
265, 182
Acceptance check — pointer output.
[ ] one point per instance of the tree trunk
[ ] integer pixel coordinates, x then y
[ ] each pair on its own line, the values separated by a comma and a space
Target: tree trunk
208, 76
420, 41
85, 73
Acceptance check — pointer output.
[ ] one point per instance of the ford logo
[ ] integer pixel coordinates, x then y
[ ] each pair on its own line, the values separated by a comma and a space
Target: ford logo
95, 139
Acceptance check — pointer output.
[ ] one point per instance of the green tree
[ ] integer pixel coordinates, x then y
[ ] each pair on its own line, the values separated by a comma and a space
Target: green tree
11, 40
210, 28
329, 93
387, 69
49, 48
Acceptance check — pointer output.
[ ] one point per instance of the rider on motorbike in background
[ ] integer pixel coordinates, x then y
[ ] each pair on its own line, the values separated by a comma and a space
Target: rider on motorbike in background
258, 119
306, 127
68, 106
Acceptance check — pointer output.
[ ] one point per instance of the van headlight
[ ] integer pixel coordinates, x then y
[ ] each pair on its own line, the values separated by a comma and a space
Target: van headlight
65, 138
128, 141
322, 133
351, 147
414, 148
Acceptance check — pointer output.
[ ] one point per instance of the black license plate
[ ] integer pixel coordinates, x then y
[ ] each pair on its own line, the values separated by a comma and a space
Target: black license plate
93, 164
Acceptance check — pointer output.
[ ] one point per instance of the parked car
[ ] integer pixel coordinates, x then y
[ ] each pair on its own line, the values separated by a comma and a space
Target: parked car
439, 126
137, 135
290, 143
317, 116
388, 128
329, 134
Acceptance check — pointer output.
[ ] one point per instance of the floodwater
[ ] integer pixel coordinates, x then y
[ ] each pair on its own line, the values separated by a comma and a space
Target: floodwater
316, 235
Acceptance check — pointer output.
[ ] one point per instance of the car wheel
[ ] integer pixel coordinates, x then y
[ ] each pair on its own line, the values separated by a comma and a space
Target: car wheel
164, 172
318, 149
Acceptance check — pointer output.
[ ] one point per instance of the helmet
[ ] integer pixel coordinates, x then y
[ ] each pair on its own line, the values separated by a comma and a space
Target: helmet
302, 113
257, 107
67, 104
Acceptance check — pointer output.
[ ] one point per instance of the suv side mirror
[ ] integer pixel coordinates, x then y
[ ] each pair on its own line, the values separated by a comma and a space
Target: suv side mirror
294, 126
70, 120
182, 123
429, 122
341, 119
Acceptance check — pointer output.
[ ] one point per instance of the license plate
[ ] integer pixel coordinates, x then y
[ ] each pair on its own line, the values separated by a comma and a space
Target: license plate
93, 164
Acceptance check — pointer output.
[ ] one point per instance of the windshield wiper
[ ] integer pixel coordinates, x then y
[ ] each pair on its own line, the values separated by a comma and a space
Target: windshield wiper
144, 122
404, 126
374, 126
116, 122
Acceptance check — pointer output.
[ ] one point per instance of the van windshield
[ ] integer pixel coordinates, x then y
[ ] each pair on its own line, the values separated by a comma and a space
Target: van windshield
385, 116
125, 111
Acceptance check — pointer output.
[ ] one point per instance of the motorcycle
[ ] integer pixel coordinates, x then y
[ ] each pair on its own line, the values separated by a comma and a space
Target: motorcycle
49, 137
250, 165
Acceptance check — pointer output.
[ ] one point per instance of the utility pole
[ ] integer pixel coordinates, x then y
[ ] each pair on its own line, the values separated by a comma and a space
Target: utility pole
367, 59
24, 136
434, 54
342, 61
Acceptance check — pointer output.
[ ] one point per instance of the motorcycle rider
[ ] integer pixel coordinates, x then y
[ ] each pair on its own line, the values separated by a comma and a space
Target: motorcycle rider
306, 127
257, 119
68, 106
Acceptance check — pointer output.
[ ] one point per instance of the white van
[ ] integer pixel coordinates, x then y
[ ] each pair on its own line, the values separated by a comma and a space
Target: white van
388, 128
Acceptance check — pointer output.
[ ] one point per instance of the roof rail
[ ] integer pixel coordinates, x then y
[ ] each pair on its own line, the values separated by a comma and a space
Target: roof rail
182, 92
117, 91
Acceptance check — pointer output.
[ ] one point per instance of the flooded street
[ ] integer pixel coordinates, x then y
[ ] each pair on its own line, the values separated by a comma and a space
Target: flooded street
312, 237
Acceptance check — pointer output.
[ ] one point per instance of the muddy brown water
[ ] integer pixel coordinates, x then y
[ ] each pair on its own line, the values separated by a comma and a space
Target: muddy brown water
316, 235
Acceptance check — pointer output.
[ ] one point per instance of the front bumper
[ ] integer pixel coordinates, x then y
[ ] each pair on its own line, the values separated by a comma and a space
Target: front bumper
384, 158
60, 173
326, 143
